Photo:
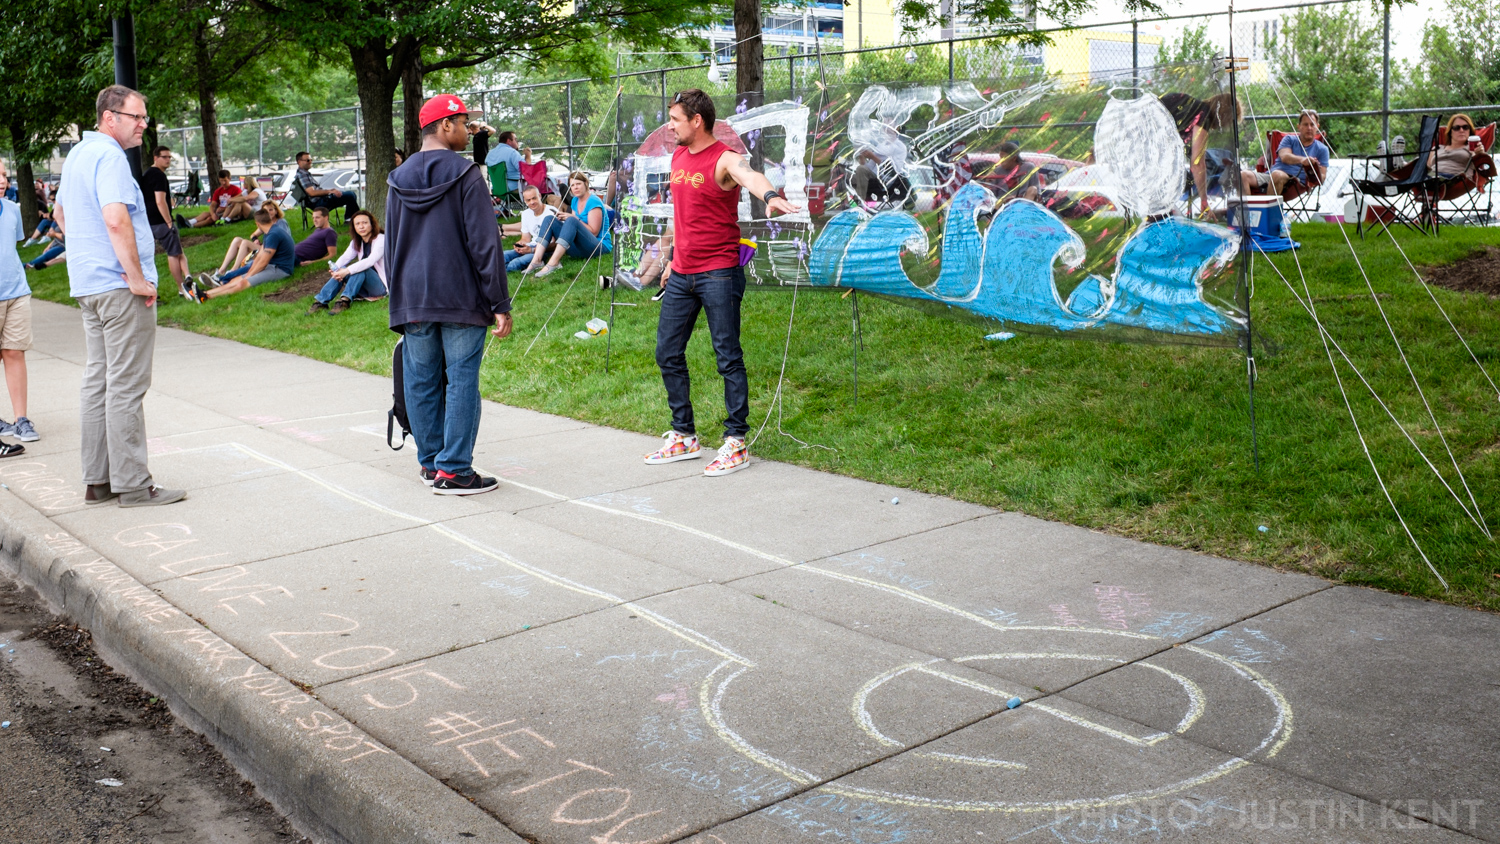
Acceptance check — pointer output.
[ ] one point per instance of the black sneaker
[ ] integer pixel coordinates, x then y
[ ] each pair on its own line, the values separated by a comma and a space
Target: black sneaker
429, 476
471, 483
182, 222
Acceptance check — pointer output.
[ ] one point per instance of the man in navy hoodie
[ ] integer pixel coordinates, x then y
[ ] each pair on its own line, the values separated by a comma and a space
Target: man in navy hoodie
448, 285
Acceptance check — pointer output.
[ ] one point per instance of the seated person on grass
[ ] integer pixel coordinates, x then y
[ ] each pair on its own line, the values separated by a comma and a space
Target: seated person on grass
54, 254
359, 273
220, 208
273, 262
1021, 179
653, 261
537, 212
1298, 156
580, 231
242, 249
243, 204
42, 227
321, 244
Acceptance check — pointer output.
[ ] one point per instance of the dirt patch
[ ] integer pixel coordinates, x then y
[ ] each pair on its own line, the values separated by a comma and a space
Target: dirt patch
305, 286
1478, 273
195, 239
71, 721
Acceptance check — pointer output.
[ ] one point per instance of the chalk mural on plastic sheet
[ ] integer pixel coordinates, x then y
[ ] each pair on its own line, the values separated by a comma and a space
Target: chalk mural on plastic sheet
1005, 271
893, 172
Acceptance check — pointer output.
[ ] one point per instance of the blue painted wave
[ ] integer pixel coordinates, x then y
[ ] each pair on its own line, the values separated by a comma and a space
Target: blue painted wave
1006, 272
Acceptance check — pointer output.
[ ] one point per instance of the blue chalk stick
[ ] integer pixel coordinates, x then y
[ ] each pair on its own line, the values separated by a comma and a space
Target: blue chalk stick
1013, 703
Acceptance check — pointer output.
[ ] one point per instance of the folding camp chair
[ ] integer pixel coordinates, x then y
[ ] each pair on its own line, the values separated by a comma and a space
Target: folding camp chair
1463, 199
500, 193
534, 173
1299, 200
1397, 198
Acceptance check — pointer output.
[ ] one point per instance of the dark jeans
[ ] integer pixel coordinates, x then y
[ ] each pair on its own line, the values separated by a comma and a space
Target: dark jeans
444, 423
718, 293
348, 202
52, 252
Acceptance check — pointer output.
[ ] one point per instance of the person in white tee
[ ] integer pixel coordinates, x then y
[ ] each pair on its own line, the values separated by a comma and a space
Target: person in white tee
359, 273
519, 258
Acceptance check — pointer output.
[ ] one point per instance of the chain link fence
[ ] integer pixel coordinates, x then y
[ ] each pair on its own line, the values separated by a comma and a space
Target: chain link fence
567, 122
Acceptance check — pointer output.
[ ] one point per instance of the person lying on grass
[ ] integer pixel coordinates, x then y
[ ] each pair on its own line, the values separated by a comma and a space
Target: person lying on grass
360, 272
273, 262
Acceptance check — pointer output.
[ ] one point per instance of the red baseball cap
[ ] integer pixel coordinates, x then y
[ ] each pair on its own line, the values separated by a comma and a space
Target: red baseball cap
441, 106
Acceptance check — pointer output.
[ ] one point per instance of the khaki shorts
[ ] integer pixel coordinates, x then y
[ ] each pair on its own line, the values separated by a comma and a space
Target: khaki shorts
15, 323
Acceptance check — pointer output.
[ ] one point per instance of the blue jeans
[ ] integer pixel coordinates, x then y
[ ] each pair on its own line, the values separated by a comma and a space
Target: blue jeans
362, 283
718, 293
515, 261
581, 242
444, 422
52, 252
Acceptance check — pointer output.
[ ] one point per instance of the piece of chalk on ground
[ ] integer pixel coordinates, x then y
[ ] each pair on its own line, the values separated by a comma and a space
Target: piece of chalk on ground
1013, 703
1263, 529
895, 501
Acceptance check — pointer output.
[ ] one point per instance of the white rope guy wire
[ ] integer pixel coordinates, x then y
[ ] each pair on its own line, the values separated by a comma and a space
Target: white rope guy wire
1427, 287
1375, 395
1326, 338
1483, 527
586, 263
777, 398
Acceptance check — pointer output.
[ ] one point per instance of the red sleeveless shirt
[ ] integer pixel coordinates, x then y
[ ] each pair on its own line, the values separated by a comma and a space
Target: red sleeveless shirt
705, 217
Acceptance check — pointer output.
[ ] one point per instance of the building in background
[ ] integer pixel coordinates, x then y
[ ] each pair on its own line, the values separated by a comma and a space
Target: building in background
841, 26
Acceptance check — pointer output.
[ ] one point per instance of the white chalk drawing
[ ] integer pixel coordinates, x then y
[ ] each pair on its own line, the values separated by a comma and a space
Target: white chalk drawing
1137, 140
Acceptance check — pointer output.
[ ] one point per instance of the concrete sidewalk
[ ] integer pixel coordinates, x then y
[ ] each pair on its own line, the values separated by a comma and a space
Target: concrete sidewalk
608, 652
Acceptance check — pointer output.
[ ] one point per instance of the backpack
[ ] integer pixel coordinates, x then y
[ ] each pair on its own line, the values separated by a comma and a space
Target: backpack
397, 414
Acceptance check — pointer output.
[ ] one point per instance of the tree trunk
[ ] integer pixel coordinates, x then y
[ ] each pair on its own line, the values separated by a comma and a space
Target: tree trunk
749, 70
26, 195
411, 102
377, 88
208, 111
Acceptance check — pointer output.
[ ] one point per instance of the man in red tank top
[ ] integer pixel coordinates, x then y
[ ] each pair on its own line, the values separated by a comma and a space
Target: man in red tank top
705, 275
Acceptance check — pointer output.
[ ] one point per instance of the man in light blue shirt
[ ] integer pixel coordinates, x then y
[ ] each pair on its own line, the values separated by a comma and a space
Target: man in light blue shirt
507, 152
112, 273
15, 323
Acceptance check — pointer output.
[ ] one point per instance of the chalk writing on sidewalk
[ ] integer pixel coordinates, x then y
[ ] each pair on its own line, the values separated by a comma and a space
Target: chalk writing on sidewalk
487, 743
403, 677
893, 570
50, 489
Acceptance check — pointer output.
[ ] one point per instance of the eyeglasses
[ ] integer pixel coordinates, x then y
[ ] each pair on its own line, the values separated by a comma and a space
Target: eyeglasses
1463, 127
141, 117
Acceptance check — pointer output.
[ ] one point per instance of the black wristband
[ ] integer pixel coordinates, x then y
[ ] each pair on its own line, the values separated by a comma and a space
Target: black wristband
770, 195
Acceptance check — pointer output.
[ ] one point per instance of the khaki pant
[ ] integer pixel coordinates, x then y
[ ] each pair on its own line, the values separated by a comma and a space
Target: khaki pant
119, 333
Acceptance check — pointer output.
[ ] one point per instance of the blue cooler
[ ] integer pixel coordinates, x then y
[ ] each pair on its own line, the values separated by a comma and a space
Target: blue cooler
1265, 222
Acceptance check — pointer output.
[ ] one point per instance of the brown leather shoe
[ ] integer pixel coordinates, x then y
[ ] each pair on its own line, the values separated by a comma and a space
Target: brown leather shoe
152, 496
339, 306
98, 494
